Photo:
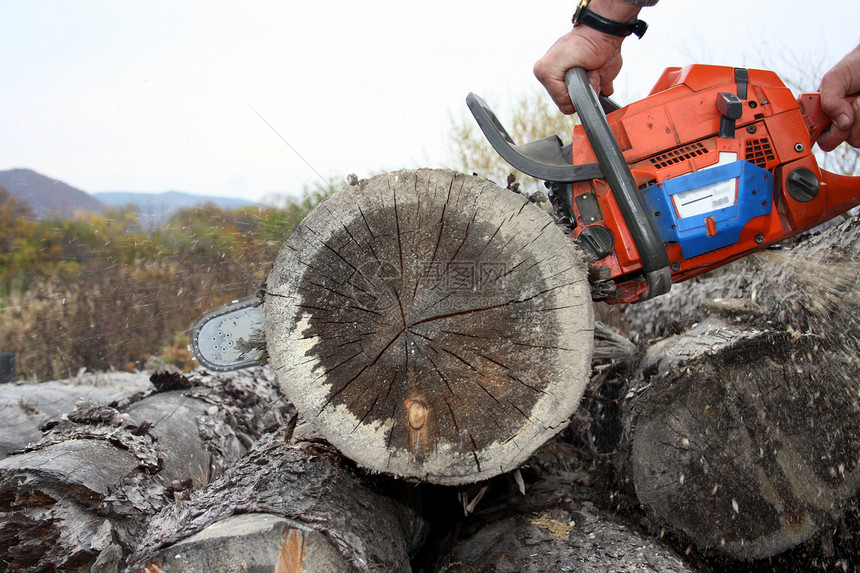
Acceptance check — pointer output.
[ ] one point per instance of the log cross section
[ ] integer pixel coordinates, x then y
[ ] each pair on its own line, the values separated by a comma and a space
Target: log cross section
431, 325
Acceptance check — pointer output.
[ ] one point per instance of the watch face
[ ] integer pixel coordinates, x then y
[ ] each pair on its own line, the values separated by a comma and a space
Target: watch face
582, 4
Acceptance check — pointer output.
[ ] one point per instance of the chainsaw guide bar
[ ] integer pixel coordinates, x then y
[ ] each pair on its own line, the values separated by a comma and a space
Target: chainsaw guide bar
221, 340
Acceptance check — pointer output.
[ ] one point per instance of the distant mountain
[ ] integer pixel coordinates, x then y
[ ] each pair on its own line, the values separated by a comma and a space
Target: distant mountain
51, 198
48, 197
155, 208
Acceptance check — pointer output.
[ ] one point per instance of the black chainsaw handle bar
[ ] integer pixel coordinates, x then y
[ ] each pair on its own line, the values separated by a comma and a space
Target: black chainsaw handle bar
652, 253
545, 159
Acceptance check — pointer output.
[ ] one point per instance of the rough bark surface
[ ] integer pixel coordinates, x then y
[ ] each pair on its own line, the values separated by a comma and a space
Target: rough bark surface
79, 498
745, 426
431, 325
551, 530
808, 286
320, 503
25, 407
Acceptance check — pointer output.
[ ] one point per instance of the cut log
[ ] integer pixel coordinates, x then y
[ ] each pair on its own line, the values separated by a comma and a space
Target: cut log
550, 531
79, 499
25, 407
431, 325
744, 429
310, 511
252, 542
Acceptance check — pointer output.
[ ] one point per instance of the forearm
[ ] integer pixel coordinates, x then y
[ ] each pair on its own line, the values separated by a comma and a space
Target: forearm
597, 51
618, 10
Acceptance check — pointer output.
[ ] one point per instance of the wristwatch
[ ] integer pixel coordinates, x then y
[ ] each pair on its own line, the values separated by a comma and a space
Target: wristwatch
588, 18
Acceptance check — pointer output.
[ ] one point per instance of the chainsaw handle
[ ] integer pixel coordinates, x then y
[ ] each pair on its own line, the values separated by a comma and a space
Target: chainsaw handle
655, 260
544, 159
816, 119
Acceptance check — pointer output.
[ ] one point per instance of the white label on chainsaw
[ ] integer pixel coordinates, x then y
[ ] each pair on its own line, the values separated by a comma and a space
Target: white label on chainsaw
708, 197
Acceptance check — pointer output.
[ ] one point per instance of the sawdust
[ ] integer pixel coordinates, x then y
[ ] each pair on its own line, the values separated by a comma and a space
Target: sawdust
555, 528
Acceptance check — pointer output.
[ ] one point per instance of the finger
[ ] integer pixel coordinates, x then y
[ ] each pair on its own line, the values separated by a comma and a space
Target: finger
608, 73
560, 96
832, 138
841, 115
845, 126
547, 74
607, 88
835, 85
595, 79
854, 135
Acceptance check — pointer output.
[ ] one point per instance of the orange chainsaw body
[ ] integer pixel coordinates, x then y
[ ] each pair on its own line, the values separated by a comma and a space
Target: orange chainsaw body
719, 185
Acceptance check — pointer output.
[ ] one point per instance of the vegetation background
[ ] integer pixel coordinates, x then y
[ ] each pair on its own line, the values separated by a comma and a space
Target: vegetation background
100, 292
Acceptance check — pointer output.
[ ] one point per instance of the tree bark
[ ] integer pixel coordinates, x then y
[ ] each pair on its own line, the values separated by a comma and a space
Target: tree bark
25, 407
79, 498
431, 325
744, 429
549, 528
299, 504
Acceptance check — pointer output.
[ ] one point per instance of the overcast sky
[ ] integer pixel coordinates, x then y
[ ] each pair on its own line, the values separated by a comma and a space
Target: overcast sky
160, 95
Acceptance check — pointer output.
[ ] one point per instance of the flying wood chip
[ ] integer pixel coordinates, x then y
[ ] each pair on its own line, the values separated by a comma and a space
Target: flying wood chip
431, 325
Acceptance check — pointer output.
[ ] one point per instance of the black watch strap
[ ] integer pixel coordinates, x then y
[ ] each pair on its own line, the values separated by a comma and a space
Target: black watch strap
588, 18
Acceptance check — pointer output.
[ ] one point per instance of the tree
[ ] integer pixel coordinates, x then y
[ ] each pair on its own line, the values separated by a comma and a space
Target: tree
15, 222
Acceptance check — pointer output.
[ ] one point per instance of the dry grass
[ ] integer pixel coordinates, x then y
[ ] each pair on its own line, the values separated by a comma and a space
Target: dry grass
99, 292
113, 316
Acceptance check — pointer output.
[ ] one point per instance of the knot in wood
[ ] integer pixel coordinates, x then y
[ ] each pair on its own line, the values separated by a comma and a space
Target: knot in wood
416, 412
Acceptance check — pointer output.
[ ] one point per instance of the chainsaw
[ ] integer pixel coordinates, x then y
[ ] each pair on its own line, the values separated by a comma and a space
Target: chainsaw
716, 163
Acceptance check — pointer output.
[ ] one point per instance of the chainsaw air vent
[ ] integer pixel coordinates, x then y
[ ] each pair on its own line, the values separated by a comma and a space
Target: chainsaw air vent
678, 155
760, 152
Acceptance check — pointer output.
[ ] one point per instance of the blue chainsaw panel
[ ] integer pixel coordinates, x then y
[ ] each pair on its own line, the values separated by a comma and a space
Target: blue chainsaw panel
754, 198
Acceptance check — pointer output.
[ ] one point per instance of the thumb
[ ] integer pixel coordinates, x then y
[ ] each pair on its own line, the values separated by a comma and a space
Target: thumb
843, 116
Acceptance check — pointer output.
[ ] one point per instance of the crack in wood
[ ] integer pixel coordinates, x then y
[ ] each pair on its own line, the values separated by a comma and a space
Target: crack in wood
475, 451
441, 224
453, 257
457, 314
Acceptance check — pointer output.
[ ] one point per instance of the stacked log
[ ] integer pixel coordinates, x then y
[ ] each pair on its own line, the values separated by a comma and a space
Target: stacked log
744, 426
286, 506
80, 497
295, 504
26, 407
549, 529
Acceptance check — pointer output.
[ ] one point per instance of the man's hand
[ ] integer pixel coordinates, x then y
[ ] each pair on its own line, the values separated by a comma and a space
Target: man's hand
598, 53
836, 86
